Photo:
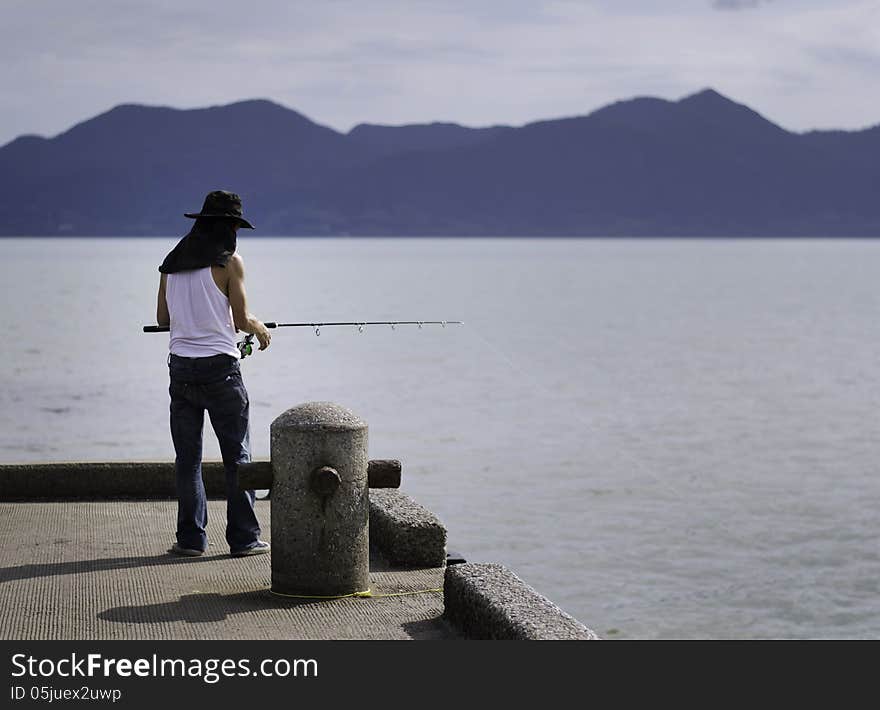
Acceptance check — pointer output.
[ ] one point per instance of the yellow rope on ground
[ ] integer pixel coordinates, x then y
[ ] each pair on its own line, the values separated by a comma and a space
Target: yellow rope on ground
366, 594
404, 594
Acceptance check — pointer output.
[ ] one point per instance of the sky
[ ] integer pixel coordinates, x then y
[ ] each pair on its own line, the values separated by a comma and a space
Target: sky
804, 64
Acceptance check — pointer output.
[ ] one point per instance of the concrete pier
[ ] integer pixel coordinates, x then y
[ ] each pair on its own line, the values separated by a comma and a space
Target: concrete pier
99, 570
95, 566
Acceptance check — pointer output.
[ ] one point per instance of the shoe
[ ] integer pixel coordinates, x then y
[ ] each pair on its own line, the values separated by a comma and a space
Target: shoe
258, 548
176, 549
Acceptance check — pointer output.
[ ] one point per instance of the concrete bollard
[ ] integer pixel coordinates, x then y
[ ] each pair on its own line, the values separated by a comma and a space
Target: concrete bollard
320, 501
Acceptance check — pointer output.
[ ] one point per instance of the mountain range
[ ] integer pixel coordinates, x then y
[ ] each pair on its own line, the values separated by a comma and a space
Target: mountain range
700, 166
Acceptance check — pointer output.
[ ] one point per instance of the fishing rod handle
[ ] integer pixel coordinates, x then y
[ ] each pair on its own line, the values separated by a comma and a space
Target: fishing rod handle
165, 328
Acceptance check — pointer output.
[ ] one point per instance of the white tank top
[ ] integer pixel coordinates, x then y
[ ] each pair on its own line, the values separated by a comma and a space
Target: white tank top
201, 317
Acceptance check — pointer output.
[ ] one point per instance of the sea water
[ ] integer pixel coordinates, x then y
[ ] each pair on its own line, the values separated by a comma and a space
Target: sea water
667, 438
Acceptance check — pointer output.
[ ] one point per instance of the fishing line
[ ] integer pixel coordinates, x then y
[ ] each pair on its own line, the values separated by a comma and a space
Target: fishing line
366, 594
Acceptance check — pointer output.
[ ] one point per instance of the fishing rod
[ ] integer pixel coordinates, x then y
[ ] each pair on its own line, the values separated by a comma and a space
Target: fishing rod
245, 346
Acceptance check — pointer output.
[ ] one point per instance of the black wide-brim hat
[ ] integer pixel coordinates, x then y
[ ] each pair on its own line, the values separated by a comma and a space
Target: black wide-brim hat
221, 203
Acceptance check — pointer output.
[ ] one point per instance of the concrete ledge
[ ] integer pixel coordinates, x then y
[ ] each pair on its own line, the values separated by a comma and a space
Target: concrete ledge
488, 601
406, 533
143, 480
140, 480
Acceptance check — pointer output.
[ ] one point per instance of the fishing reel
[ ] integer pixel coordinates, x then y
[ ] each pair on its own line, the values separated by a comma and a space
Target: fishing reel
246, 346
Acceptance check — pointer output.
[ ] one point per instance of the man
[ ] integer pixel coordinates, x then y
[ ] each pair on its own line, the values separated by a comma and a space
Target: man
202, 298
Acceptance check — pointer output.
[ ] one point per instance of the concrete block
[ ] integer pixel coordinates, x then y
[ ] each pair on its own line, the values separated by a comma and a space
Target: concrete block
488, 601
407, 534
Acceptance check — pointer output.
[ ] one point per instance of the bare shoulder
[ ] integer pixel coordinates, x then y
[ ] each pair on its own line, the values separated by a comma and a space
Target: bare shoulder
236, 264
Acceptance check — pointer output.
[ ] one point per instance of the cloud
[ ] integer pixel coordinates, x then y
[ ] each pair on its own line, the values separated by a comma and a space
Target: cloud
340, 62
737, 4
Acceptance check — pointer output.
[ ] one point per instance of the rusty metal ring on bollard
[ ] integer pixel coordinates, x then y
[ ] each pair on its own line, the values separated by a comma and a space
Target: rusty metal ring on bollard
325, 480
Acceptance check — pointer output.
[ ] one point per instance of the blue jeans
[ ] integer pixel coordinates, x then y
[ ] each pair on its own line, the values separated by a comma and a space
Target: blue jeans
214, 384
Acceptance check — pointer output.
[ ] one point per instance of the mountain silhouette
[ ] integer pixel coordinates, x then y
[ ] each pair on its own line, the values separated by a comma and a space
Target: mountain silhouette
701, 166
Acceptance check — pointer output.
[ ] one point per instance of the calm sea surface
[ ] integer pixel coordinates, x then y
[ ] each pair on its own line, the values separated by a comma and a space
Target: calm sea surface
669, 439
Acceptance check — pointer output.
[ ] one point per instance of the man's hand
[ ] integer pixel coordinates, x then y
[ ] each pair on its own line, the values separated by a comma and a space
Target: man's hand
263, 335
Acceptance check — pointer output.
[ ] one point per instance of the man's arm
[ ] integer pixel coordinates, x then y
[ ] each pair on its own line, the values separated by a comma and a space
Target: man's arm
163, 317
238, 300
